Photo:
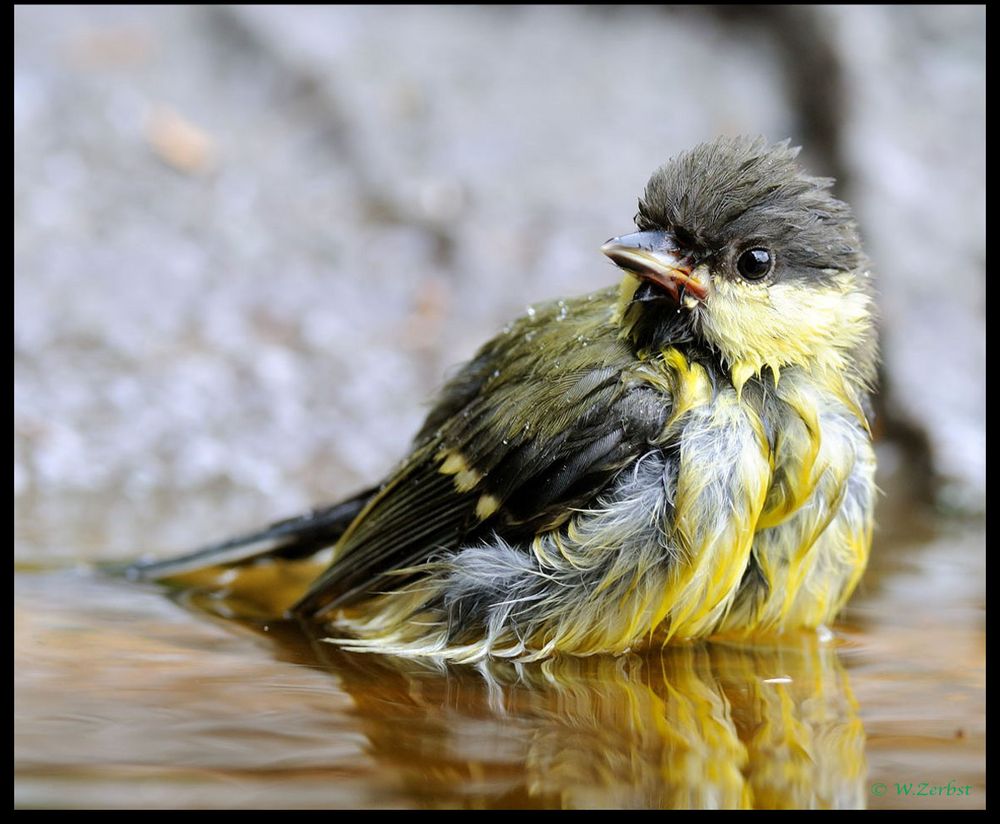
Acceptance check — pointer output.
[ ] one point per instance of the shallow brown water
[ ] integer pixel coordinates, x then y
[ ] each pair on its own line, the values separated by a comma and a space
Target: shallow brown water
126, 696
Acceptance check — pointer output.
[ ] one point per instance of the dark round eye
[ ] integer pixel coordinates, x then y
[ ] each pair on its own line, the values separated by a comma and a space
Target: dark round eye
754, 264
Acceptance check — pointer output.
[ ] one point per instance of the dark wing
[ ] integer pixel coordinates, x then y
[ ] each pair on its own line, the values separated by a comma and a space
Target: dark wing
535, 425
293, 538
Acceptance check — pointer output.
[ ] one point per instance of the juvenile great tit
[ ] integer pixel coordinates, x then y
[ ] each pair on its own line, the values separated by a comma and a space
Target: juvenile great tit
685, 455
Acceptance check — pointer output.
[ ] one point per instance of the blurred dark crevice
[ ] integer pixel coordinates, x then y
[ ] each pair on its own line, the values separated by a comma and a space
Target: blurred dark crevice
917, 478
810, 65
813, 75
313, 101
303, 91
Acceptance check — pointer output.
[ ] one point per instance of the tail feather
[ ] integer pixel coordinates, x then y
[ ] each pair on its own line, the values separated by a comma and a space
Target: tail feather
290, 539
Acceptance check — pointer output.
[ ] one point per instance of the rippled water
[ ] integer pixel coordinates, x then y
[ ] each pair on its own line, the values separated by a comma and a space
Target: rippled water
133, 696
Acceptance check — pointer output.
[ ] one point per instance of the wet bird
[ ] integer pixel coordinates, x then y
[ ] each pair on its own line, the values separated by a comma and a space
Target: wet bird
684, 455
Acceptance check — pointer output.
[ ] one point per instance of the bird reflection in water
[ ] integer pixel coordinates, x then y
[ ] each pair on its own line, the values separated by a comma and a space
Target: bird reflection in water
707, 725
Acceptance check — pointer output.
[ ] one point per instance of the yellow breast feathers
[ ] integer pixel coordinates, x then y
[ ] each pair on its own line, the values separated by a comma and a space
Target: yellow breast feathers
753, 514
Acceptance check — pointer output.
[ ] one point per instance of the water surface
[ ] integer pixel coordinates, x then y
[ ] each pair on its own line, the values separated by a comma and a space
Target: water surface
130, 695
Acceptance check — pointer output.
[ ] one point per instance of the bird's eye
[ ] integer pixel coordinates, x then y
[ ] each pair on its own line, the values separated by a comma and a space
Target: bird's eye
754, 264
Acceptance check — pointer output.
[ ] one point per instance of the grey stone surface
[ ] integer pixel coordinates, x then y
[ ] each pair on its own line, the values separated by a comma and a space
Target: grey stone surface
915, 138
249, 242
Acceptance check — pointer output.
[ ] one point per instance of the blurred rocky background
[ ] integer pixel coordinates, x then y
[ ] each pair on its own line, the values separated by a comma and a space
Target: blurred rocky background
249, 242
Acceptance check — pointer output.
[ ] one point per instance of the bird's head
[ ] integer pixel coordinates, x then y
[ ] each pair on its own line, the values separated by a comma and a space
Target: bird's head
739, 251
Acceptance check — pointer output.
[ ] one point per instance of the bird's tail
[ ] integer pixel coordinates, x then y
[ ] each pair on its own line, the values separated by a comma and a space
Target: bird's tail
291, 539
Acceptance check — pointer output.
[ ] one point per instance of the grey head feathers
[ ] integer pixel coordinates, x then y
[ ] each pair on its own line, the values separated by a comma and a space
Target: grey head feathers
734, 193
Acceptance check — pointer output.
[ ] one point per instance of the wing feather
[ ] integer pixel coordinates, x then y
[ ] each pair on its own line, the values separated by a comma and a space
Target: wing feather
527, 432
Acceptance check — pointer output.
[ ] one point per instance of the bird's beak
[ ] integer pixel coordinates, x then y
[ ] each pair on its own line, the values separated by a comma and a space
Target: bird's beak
656, 257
